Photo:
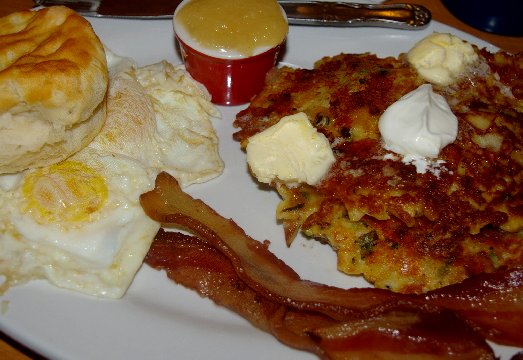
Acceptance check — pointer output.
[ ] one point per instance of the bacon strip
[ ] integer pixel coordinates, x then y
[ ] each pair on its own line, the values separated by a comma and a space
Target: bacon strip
236, 271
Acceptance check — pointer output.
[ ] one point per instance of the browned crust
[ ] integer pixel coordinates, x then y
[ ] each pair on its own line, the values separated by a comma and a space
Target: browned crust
402, 230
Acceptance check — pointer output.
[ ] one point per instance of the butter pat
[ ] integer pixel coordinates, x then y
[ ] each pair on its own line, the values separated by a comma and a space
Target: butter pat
419, 124
441, 58
291, 150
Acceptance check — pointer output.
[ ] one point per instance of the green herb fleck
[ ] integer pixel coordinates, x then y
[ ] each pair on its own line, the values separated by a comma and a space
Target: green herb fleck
366, 243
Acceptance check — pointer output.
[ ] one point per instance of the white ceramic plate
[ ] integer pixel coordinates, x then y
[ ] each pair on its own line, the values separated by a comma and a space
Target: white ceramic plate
158, 319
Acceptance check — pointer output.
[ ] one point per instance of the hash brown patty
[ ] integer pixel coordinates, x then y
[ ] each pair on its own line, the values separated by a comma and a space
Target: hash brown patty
404, 231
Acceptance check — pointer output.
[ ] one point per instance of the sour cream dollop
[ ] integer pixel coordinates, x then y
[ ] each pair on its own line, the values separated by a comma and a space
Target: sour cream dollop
419, 124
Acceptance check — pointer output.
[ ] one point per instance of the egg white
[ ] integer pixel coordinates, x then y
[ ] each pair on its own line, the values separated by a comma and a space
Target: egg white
98, 255
169, 129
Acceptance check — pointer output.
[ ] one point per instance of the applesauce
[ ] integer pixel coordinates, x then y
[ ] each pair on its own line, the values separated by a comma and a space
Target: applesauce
231, 28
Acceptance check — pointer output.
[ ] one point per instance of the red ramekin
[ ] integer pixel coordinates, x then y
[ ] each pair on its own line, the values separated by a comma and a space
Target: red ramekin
229, 81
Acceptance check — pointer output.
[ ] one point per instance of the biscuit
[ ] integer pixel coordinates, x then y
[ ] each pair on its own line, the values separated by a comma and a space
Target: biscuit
53, 84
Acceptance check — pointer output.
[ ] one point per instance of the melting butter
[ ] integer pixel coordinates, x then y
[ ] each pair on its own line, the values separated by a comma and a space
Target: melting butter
291, 150
441, 58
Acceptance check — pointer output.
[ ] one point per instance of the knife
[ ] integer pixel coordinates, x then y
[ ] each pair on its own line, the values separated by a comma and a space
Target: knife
319, 13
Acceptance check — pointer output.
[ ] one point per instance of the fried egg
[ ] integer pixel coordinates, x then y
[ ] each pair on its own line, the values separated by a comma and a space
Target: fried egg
170, 129
79, 223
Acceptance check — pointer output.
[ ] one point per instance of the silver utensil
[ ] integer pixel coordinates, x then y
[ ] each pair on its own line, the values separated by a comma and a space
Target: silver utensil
400, 16
318, 13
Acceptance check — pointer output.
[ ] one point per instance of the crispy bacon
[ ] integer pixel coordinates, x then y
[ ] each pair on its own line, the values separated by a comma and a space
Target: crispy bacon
223, 263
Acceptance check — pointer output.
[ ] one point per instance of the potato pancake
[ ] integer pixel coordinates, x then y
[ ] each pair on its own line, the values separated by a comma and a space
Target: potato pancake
405, 231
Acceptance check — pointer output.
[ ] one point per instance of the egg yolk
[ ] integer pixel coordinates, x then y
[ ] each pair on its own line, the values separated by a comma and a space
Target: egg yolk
66, 192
